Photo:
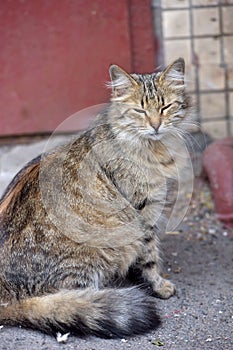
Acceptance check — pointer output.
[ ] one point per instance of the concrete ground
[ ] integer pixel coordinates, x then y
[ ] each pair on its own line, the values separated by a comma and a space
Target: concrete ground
198, 259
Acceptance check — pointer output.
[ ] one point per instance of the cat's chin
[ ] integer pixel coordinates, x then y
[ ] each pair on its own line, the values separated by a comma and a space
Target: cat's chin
156, 137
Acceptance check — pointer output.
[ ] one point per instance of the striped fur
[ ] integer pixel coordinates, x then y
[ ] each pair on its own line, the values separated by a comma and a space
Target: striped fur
74, 222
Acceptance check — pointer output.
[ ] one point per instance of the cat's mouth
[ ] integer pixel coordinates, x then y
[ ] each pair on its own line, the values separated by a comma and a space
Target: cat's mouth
156, 135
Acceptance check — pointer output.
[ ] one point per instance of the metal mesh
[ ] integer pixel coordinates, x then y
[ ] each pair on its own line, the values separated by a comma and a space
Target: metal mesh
202, 32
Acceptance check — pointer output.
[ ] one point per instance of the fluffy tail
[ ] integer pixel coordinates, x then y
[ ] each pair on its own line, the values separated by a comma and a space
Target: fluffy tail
106, 313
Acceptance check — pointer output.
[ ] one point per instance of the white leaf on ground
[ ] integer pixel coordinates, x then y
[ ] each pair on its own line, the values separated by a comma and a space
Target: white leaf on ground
62, 338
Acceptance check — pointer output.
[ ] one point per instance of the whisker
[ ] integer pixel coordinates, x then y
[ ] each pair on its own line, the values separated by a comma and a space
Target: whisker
192, 141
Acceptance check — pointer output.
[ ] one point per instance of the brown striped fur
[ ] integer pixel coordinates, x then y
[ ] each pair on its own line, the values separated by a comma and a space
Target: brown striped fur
75, 221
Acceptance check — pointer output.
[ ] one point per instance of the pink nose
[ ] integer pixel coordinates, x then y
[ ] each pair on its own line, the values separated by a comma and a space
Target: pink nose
156, 126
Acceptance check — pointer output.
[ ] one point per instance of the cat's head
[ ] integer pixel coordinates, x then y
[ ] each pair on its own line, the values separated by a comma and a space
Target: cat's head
150, 105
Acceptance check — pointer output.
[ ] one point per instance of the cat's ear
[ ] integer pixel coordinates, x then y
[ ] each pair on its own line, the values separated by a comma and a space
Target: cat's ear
121, 82
174, 73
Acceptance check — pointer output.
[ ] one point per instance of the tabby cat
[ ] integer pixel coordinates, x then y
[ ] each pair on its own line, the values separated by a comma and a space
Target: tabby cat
75, 221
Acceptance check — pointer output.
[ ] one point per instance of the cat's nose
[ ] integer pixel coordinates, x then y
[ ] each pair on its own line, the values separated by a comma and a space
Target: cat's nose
155, 126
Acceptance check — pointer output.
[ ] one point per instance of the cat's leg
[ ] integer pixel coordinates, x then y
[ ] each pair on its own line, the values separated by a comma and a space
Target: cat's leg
150, 269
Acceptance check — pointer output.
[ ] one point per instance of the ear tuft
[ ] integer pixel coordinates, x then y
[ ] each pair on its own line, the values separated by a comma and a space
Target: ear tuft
121, 82
174, 73
179, 65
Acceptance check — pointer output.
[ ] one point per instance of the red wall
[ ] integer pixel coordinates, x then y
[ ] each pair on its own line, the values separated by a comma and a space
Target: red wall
54, 56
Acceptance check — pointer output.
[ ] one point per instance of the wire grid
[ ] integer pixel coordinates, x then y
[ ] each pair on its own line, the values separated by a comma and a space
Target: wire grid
197, 92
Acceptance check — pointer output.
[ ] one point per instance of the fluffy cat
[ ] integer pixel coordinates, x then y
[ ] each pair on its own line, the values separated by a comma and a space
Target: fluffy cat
73, 222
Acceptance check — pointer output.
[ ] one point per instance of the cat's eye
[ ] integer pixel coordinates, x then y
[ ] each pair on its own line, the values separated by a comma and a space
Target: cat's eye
141, 111
165, 107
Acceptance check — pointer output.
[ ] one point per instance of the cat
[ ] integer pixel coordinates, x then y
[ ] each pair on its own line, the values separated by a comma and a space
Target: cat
75, 221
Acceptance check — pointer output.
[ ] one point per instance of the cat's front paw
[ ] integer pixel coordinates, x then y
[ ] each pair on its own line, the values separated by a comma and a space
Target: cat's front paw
165, 289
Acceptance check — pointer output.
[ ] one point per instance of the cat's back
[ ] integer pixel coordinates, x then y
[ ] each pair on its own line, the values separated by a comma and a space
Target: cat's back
60, 180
